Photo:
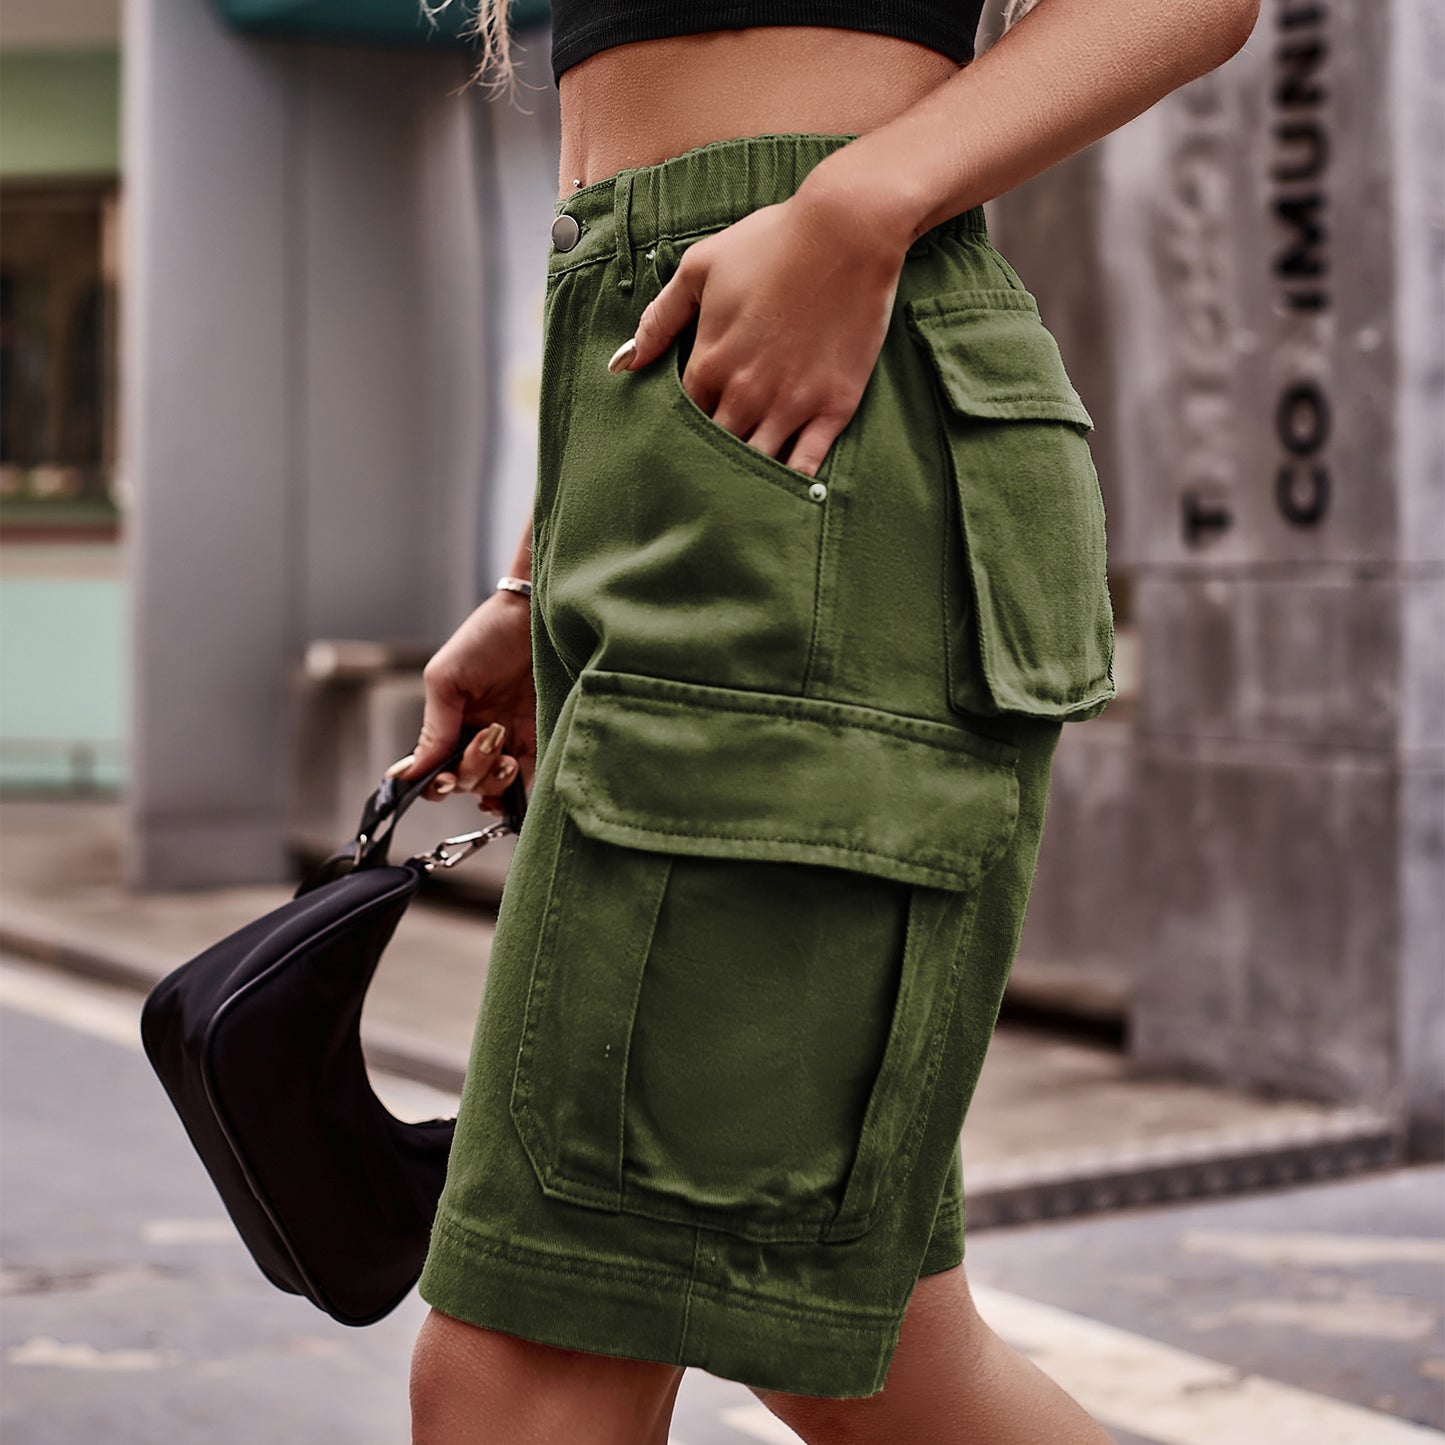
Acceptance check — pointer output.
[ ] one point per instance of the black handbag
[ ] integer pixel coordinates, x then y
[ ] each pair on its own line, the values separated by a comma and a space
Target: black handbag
257, 1042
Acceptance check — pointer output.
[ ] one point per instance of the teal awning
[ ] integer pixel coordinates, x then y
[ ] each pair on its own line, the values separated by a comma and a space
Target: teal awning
383, 22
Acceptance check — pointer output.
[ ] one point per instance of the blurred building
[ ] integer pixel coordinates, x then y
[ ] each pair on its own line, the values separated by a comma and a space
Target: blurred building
62, 603
334, 269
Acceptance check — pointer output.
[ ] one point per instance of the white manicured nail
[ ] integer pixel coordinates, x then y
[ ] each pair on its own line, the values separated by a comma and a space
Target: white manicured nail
401, 765
622, 355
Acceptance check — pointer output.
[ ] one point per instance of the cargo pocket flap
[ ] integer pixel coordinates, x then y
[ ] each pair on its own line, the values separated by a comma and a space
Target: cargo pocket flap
1031, 628
992, 367
682, 768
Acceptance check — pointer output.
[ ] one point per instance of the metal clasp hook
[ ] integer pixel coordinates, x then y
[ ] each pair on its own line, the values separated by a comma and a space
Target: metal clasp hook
466, 843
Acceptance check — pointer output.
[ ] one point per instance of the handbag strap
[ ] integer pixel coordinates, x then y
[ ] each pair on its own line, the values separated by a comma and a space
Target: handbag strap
385, 806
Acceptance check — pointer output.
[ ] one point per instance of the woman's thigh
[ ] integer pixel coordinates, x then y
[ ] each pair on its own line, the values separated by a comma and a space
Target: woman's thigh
471, 1385
939, 1341
952, 1381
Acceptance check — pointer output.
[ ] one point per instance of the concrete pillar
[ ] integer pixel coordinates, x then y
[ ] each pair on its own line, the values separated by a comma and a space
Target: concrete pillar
1270, 256
310, 398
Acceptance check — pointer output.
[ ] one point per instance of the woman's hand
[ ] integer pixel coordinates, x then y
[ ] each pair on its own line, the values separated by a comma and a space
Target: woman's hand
799, 296
481, 675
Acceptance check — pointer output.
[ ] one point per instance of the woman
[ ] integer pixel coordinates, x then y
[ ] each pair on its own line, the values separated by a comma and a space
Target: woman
819, 574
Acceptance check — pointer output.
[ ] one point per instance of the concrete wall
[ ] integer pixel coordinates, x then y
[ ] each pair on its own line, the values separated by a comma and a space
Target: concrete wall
310, 418
1267, 313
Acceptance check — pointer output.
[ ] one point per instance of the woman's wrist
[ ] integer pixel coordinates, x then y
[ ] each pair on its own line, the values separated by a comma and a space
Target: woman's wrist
507, 601
876, 199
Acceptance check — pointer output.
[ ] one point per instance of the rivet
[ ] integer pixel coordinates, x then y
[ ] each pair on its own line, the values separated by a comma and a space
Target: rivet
565, 232
818, 492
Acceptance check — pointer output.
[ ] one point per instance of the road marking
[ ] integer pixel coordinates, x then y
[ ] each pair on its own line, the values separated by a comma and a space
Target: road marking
107, 1012
1304, 1250
91, 1009
45, 1350
1362, 1313
1175, 1397
188, 1231
759, 1422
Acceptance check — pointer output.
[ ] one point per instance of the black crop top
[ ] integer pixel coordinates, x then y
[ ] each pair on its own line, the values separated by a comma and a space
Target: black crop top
582, 27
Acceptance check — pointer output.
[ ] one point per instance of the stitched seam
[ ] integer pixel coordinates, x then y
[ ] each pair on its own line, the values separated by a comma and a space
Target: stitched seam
1019, 396
965, 741
795, 1226
576, 1264
905, 1156
687, 1298
529, 1128
953, 543
796, 1229
644, 946
870, 1131
823, 643
936, 865
611, 256
936, 308
730, 1293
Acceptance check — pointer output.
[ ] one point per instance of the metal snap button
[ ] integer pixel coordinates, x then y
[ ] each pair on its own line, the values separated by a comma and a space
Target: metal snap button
818, 492
565, 232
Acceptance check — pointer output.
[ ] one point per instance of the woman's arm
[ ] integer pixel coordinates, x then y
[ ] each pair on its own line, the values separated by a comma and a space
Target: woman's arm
777, 360
1067, 74
482, 674
522, 557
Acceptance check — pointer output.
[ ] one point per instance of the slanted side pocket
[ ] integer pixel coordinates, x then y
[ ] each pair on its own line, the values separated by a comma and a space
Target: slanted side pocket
1030, 625
750, 952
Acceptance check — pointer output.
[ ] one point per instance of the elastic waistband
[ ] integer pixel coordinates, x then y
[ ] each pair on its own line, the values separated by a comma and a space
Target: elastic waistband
702, 189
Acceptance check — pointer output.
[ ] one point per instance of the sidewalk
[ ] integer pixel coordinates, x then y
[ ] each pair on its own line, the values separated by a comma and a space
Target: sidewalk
1058, 1127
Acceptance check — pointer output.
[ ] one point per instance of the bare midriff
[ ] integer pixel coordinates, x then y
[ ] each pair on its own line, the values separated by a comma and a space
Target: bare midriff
648, 100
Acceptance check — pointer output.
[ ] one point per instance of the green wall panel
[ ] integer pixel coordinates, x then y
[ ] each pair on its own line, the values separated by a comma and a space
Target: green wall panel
63, 683
59, 114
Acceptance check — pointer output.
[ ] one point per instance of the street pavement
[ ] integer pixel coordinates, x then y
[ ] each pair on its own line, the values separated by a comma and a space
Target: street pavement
132, 1312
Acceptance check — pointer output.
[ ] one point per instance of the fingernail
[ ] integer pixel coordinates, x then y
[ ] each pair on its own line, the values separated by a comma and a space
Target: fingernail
505, 768
490, 737
445, 782
400, 765
622, 355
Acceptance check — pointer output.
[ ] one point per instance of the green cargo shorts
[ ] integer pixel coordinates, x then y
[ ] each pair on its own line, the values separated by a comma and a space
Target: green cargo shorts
794, 744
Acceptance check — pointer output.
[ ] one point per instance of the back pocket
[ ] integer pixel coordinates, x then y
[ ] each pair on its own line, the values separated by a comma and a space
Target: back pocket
1030, 626
749, 953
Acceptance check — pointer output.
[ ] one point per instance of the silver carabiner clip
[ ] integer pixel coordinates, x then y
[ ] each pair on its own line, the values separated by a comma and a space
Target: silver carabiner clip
465, 843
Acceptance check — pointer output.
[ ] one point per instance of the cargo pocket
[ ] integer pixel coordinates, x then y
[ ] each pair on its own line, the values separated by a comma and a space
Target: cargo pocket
1030, 626
710, 838
738, 450
664, 544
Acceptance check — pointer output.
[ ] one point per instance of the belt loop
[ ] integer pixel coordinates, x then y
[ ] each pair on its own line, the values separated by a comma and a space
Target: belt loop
622, 225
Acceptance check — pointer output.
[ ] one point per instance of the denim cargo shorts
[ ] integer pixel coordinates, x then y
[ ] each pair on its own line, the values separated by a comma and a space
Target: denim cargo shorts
794, 742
